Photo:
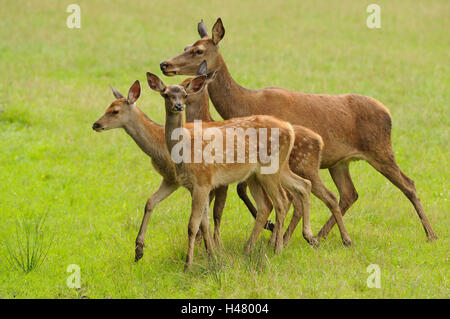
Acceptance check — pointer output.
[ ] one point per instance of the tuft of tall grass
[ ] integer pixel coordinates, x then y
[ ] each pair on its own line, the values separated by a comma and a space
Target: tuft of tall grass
28, 247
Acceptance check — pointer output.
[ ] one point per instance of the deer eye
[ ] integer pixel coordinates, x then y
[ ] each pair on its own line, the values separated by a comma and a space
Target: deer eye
164, 95
115, 112
199, 51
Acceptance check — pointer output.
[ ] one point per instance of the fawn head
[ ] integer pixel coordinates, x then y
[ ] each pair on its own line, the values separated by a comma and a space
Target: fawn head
175, 96
118, 114
207, 48
194, 99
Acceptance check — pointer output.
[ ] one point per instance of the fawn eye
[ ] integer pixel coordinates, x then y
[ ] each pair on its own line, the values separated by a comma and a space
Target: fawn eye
199, 51
115, 112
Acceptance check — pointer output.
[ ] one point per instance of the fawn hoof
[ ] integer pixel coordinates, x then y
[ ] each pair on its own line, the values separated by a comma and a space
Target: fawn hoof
432, 237
313, 241
347, 242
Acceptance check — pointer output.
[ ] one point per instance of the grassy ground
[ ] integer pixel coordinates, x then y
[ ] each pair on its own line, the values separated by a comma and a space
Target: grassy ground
93, 187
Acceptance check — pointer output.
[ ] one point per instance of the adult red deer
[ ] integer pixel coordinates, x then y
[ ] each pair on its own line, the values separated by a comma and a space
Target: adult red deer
352, 126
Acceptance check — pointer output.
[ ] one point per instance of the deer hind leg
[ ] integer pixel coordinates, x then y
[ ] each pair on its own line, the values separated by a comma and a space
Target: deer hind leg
387, 166
164, 190
340, 174
301, 189
264, 207
199, 206
326, 196
206, 231
219, 204
242, 192
276, 193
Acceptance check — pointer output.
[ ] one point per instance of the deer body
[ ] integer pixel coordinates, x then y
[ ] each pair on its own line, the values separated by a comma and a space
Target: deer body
351, 126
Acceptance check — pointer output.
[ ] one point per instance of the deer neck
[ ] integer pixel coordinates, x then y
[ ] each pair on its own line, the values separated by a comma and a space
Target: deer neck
173, 122
227, 96
148, 135
199, 109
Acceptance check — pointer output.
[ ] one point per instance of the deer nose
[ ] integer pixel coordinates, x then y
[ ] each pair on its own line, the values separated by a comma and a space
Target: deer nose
96, 126
163, 65
179, 107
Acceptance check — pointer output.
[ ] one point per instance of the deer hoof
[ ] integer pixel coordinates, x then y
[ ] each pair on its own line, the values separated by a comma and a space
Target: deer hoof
313, 241
139, 252
347, 242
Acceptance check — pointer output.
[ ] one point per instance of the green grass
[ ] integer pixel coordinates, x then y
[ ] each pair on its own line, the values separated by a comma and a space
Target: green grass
54, 85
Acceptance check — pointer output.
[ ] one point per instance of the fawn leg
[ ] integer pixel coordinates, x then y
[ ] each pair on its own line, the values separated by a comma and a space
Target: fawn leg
165, 189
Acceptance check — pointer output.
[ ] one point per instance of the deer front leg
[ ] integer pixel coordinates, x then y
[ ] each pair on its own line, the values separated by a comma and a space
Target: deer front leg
165, 189
199, 202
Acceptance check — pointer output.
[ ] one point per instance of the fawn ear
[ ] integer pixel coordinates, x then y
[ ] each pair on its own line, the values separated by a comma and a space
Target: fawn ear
116, 93
218, 31
202, 68
195, 85
134, 92
201, 28
155, 83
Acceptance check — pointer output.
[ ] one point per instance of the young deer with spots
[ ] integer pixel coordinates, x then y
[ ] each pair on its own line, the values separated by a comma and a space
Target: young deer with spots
304, 161
202, 177
149, 136
352, 126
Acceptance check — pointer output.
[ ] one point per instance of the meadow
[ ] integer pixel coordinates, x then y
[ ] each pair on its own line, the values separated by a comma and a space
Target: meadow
92, 187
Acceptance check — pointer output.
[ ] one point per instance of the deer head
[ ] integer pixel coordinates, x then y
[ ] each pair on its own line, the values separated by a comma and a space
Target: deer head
205, 49
119, 113
175, 96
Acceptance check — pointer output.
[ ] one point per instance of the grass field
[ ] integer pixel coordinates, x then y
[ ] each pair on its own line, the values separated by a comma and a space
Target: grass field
93, 187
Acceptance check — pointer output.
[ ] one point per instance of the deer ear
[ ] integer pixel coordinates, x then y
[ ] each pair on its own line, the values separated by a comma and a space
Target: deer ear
116, 93
218, 31
201, 28
134, 93
202, 68
195, 85
155, 83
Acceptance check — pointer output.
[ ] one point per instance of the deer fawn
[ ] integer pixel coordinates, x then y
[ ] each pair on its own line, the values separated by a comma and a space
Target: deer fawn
149, 136
201, 177
304, 161
352, 126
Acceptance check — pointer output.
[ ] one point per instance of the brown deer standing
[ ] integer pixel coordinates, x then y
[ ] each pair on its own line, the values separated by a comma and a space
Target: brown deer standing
303, 161
352, 126
149, 136
201, 177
